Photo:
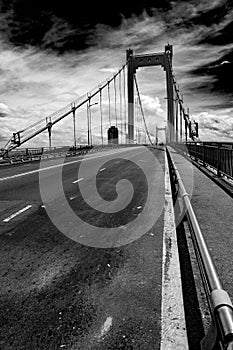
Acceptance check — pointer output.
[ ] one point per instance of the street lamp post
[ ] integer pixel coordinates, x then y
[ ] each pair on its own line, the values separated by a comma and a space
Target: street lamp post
73, 110
49, 126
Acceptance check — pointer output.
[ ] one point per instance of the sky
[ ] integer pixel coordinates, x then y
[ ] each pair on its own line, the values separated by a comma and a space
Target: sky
53, 52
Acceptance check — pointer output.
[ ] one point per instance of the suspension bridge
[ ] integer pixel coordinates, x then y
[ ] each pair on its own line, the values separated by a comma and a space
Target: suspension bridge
119, 100
91, 262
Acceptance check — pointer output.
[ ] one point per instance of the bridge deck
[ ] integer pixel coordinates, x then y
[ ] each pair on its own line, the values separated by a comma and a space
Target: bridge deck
58, 293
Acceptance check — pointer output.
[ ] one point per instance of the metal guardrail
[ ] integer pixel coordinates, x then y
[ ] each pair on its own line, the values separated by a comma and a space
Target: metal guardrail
221, 330
29, 155
217, 155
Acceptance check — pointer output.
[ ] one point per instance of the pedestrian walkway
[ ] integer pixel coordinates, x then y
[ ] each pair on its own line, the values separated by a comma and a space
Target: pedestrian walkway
213, 208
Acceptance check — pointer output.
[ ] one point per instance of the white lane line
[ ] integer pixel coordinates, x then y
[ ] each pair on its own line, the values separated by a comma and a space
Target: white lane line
17, 213
106, 327
65, 164
76, 181
173, 327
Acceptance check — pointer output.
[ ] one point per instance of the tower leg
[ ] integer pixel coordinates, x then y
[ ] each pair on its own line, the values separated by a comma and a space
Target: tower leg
130, 76
170, 105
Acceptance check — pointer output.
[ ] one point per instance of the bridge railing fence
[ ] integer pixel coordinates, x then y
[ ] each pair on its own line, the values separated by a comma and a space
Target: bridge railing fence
218, 156
34, 154
220, 333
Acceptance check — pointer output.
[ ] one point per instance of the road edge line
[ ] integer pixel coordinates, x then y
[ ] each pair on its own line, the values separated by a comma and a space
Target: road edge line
173, 326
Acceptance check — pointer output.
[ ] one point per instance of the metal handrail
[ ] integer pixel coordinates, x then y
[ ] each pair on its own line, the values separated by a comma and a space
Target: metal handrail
216, 155
218, 298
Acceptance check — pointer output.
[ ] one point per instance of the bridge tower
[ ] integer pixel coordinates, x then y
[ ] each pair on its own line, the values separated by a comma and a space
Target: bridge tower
157, 131
163, 59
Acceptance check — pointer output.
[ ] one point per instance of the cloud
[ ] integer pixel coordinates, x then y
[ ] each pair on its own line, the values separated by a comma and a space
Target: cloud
133, 32
63, 36
108, 70
216, 126
4, 110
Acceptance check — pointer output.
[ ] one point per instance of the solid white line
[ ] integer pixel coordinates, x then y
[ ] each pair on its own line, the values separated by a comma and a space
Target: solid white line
17, 213
76, 181
173, 327
68, 163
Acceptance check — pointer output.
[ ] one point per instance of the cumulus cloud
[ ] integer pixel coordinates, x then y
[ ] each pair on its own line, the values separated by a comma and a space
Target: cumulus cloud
4, 110
216, 126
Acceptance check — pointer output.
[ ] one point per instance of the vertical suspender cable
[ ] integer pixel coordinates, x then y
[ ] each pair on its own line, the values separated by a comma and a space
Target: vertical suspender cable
109, 105
120, 106
125, 108
88, 128
101, 118
89, 107
115, 98
181, 123
176, 129
137, 120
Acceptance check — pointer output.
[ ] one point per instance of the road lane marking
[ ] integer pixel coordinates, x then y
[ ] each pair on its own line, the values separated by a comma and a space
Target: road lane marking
173, 327
65, 164
17, 213
106, 326
76, 181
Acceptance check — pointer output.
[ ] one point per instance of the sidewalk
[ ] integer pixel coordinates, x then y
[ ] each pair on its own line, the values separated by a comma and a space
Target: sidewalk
214, 211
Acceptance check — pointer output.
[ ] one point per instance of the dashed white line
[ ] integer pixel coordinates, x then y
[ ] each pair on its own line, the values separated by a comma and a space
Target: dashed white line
106, 326
17, 213
76, 181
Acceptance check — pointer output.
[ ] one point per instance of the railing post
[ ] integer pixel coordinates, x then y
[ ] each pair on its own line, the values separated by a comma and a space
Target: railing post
195, 152
204, 154
218, 161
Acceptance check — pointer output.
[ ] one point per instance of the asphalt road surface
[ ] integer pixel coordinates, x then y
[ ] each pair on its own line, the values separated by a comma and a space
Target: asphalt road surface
94, 283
